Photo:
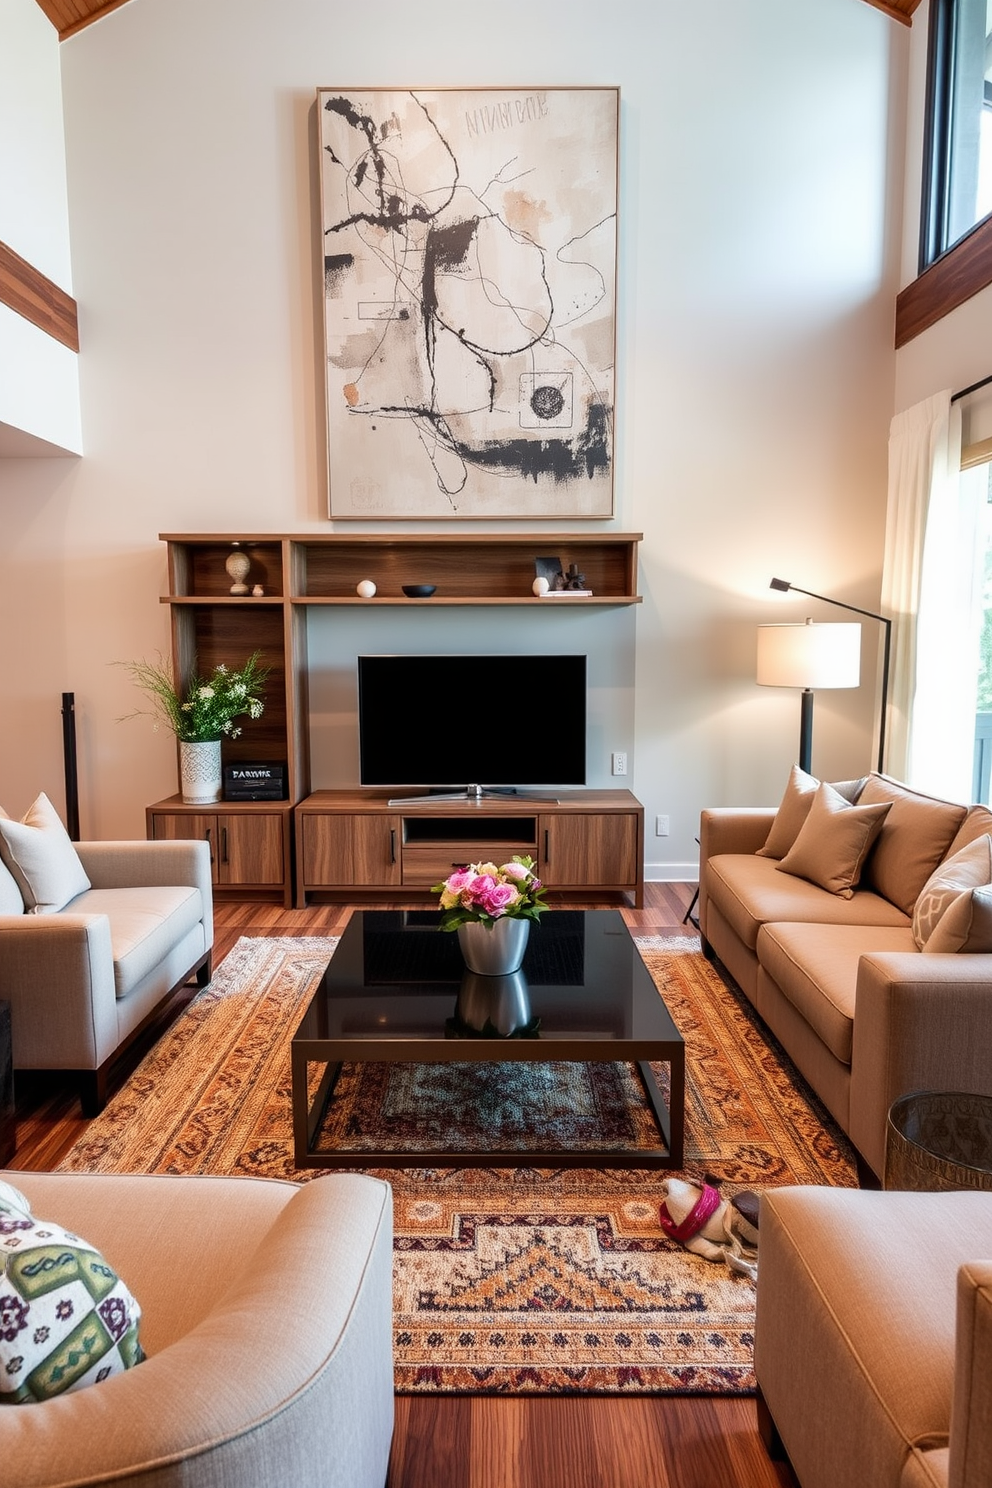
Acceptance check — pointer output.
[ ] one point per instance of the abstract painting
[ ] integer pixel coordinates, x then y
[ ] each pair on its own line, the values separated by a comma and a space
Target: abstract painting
470, 246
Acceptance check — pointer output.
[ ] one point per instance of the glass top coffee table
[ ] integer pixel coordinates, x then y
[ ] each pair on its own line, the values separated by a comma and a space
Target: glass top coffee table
396, 991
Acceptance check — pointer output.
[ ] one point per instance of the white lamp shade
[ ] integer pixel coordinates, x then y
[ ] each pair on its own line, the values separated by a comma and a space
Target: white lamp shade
809, 655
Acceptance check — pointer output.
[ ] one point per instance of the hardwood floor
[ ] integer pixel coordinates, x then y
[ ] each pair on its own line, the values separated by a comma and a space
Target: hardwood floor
478, 1441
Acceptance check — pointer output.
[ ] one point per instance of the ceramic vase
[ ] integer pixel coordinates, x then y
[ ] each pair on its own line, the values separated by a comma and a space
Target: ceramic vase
494, 950
238, 565
199, 771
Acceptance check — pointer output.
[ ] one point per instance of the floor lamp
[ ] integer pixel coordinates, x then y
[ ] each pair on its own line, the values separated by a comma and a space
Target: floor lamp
811, 657
783, 586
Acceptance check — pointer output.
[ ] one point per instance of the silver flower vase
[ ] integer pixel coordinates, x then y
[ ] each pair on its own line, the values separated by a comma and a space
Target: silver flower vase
494, 950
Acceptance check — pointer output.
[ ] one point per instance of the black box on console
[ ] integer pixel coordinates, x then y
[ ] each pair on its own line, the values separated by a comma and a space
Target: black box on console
258, 780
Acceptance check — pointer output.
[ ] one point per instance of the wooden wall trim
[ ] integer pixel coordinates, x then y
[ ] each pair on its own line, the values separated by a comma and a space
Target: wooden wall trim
899, 10
26, 290
946, 284
70, 16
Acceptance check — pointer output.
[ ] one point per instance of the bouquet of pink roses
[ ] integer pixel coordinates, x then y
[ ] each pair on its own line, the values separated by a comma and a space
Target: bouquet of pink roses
487, 893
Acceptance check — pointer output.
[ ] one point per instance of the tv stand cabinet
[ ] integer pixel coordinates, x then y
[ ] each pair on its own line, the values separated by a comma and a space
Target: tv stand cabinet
354, 845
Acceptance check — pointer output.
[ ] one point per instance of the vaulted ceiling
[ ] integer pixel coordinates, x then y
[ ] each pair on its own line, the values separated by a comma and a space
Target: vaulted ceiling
70, 16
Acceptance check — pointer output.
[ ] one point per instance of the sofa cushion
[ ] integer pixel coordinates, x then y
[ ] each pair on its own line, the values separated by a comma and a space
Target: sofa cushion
66, 1318
39, 853
834, 841
750, 892
816, 968
145, 924
977, 822
966, 925
967, 869
917, 834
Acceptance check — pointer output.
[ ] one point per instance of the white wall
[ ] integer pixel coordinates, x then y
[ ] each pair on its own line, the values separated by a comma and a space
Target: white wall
39, 382
761, 182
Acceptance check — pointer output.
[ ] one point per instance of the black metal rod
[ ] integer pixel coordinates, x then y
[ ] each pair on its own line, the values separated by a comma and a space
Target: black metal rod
982, 382
69, 757
783, 584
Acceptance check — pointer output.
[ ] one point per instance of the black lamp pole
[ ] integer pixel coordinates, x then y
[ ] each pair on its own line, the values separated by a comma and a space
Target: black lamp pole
783, 585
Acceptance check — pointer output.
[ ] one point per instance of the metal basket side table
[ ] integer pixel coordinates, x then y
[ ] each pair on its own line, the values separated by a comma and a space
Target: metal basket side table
938, 1141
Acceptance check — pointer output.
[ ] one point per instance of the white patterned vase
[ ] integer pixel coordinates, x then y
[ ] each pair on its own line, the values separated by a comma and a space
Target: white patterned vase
199, 771
494, 950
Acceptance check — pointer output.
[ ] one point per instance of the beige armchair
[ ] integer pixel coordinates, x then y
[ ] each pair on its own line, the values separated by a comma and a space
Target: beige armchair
873, 1345
267, 1326
84, 982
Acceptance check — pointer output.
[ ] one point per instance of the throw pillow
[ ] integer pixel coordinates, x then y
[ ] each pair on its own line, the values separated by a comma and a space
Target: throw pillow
66, 1318
834, 842
966, 926
792, 812
917, 834
39, 854
11, 902
967, 869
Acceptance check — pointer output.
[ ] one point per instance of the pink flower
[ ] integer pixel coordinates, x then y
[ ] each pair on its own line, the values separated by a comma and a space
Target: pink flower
516, 871
498, 898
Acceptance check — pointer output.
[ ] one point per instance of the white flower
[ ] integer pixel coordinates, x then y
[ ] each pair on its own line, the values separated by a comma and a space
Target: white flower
205, 692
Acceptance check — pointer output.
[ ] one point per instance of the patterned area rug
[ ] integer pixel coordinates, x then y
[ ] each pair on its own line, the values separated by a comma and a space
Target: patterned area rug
522, 1280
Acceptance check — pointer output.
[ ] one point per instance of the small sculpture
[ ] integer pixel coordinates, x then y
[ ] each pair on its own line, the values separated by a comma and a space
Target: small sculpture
366, 589
573, 579
258, 591
540, 586
237, 565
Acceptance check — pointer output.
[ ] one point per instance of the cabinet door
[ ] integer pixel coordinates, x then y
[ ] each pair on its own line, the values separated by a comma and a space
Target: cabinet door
594, 850
250, 848
362, 850
182, 826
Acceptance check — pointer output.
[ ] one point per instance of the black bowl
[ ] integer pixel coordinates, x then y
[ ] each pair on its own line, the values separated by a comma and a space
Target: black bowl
419, 591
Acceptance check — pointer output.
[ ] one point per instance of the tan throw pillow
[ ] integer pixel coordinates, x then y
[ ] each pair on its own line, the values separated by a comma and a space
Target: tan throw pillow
834, 842
965, 926
917, 833
41, 858
792, 812
967, 869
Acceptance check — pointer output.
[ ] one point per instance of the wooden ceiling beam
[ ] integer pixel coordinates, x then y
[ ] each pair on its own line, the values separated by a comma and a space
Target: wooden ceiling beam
70, 16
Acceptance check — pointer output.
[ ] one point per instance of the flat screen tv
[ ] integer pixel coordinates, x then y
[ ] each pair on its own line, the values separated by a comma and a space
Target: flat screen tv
464, 722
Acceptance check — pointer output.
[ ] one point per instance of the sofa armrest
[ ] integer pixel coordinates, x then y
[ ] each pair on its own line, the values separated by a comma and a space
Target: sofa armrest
733, 829
970, 1461
920, 1023
137, 865
57, 973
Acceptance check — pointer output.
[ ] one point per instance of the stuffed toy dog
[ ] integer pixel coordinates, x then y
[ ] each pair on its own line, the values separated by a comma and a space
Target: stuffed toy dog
719, 1229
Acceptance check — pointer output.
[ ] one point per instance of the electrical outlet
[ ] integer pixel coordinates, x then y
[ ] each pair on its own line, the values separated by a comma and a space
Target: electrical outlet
619, 762
661, 826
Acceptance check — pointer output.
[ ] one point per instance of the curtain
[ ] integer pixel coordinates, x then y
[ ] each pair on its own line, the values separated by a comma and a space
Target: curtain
931, 587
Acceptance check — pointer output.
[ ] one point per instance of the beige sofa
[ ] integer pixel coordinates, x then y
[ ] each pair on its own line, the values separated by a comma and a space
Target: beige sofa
839, 977
84, 980
266, 1320
873, 1342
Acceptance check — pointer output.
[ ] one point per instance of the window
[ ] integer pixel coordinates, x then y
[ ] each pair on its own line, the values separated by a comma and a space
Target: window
957, 187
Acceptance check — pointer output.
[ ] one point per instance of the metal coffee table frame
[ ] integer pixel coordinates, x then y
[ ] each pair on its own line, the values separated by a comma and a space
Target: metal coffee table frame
664, 1045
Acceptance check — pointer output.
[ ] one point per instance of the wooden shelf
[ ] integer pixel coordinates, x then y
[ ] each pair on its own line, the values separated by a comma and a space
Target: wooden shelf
300, 571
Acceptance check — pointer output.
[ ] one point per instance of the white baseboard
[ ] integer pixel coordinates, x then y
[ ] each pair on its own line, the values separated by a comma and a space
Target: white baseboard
671, 872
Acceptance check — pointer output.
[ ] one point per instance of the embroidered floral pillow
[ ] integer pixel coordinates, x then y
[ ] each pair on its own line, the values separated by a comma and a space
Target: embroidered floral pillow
66, 1318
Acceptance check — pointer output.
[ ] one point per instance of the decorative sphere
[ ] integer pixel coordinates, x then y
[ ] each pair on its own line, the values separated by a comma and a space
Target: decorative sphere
540, 586
366, 588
